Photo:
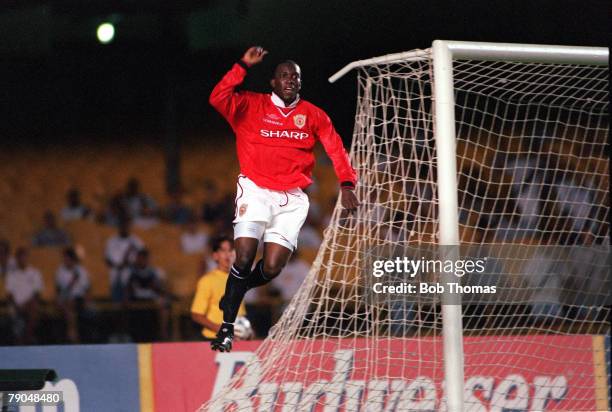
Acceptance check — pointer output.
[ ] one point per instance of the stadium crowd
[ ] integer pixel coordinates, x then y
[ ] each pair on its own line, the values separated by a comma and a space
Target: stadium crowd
139, 305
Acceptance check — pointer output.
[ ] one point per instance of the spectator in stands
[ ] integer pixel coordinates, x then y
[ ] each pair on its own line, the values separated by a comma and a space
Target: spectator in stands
23, 286
527, 186
147, 220
74, 209
576, 204
141, 207
51, 234
7, 262
211, 288
114, 212
145, 283
193, 240
72, 285
292, 277
544, 273
120, 251
176, 211
137, 203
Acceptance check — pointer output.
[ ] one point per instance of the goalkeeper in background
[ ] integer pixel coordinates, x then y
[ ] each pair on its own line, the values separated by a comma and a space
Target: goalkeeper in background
211, 288
275, 137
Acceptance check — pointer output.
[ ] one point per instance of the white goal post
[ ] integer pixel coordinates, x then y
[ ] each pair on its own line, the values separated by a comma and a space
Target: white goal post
443, 54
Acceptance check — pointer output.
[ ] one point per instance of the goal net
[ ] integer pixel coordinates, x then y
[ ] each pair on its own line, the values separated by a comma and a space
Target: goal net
532, 192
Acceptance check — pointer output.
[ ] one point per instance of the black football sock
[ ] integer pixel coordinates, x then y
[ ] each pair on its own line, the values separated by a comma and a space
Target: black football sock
258, 277
235, 288
227, 328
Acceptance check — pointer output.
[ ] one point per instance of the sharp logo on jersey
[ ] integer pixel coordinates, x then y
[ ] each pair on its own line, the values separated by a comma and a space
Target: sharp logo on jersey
299, 120
242, 210
284, 133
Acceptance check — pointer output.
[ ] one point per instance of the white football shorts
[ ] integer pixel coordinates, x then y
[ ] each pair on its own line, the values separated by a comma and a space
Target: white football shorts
277, 215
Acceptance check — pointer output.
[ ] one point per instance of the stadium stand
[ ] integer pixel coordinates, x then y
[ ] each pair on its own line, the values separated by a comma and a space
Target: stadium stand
37, 180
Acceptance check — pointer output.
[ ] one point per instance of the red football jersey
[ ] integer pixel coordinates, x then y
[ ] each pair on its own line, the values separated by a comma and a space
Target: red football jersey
275, 143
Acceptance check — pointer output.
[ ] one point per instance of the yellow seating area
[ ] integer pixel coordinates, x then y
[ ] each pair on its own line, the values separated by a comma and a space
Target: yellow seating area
34, 181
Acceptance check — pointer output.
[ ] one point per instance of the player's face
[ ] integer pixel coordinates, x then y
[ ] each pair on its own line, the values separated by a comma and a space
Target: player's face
225, 256
287, 81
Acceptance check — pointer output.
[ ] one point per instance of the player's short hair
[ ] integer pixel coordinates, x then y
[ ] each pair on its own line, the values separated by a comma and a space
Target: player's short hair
217, 241
286, 62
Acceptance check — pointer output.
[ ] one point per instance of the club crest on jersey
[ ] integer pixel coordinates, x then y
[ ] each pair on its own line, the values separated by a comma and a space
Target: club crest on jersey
299, 120
242, 210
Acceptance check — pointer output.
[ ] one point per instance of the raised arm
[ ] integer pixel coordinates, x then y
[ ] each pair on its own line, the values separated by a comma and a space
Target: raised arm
224, 98
332, 143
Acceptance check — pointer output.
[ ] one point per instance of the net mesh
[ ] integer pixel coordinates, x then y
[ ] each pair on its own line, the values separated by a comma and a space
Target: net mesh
532, 171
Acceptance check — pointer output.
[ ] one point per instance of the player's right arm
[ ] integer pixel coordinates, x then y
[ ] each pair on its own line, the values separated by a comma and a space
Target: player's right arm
224, 97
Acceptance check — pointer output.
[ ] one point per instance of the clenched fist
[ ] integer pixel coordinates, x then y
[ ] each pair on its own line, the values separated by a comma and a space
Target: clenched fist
254, 55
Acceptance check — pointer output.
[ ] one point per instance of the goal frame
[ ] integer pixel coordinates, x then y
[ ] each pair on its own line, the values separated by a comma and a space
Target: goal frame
443, 53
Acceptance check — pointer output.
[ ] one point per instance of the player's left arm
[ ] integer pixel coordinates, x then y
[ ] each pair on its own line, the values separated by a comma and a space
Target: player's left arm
332, 143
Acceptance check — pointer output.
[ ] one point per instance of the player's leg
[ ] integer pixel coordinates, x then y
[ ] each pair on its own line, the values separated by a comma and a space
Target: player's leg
251, 216
236, 286
275, 258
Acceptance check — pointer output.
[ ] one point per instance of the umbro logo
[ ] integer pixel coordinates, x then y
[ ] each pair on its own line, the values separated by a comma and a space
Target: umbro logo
273, 116
274, 122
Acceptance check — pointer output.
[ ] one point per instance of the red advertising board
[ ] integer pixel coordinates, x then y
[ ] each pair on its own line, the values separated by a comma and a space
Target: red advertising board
184, 374
518, 373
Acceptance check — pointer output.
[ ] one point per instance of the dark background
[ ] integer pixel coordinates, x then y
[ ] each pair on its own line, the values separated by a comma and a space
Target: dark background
59, 85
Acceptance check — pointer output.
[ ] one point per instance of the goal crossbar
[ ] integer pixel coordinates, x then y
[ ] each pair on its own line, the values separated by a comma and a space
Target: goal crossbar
541, 53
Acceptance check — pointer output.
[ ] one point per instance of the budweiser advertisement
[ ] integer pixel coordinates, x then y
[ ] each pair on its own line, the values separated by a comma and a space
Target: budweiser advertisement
510, 373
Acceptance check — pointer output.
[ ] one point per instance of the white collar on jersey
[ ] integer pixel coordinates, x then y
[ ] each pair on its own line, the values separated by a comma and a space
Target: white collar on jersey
280, 103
